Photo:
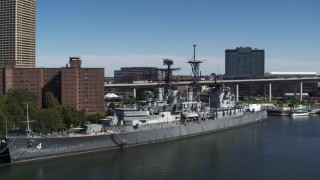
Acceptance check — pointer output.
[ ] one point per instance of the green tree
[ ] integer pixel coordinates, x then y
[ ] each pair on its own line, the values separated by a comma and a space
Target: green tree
96, 118
110, 112
110, 109
311, 102
130, 100
22, 95
3, 101
112, 105
51, 118
3, 116
48, 120
3, 124
72, 117
280, 102
12, 107
295, 101
16, 114
49, 101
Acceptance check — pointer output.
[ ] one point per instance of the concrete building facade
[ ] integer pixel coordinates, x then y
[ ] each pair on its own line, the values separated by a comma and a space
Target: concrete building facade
244, 62
18, 32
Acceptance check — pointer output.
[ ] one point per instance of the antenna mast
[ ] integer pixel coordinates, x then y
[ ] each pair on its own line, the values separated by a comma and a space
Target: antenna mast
195, 64
28, 119
168, 73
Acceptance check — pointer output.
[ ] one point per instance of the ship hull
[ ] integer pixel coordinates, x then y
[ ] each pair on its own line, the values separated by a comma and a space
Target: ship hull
22, 149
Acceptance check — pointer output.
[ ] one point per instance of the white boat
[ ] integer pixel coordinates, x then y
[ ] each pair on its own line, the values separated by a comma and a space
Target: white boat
300, 110
299, 113
315, 111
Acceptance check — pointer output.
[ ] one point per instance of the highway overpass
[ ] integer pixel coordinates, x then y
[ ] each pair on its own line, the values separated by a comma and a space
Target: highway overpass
240, 81
235, 82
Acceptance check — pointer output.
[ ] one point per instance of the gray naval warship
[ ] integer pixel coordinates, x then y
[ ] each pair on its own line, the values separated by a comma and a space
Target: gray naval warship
164, 115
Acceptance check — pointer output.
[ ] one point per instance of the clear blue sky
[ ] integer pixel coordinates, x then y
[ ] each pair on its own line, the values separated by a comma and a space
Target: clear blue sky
122, 33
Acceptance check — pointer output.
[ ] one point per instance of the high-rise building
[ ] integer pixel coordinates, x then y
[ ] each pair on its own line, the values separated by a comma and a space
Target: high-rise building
17, 32
244, 62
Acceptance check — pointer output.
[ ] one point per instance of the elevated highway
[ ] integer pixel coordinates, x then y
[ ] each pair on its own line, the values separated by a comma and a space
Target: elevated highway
240, 81
235, 82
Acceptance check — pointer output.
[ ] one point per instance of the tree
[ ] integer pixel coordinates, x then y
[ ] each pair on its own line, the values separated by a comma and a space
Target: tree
48, 120
49, 101
96, 118
51, 118
15, 112
3, 116
22, 95
2, 102
112, 105
110, 112
12, 107
72, 117
130, 100
311, 102
295, 101
3, 124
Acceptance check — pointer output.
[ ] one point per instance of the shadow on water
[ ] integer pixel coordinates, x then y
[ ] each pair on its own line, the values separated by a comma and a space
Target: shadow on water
279, 148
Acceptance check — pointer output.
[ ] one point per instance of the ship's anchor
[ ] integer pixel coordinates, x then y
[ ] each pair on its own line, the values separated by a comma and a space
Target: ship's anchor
118, 141
30, 143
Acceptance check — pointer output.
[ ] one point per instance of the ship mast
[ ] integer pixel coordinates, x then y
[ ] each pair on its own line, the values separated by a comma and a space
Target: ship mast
167, 74
195, 64
28, 119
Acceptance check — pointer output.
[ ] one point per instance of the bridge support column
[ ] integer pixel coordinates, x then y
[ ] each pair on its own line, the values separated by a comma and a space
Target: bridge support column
270, 87
134, 92
237, 93
301, 87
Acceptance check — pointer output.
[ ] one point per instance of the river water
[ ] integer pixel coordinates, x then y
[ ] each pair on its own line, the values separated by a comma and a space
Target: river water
278, 148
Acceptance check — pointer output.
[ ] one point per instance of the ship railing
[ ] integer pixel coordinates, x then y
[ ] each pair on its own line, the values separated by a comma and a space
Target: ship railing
144, 127
226, 113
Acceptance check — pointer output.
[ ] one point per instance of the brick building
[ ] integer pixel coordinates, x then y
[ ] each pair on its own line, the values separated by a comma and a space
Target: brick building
81, 88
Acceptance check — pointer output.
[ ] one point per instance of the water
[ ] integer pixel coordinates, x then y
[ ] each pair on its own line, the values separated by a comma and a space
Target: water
279, 148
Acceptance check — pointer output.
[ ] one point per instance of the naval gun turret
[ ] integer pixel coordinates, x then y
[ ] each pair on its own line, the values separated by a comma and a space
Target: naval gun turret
221, 97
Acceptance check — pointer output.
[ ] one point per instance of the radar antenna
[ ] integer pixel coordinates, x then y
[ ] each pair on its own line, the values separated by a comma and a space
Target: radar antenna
167, 73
